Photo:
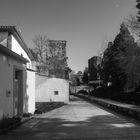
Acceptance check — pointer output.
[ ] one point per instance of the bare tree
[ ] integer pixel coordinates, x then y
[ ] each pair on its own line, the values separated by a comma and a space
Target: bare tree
41, 46
132, 23
103, 46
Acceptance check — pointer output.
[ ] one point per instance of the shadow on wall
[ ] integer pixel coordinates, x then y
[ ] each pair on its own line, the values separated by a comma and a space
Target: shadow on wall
25, 97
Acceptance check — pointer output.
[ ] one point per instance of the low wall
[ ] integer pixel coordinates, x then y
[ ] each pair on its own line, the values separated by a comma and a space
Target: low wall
51, 89
126, 109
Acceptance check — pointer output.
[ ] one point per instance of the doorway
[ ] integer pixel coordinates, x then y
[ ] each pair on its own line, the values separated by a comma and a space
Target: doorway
18, 93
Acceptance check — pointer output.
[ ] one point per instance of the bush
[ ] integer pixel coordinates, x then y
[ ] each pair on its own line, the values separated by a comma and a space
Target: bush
110, 93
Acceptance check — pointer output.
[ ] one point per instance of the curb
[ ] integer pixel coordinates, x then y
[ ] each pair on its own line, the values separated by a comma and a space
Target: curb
132, 112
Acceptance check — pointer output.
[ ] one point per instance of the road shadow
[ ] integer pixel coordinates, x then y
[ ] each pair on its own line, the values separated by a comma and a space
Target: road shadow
102, 127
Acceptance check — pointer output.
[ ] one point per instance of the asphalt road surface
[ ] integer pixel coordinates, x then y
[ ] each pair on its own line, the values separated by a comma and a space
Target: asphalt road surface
79, 120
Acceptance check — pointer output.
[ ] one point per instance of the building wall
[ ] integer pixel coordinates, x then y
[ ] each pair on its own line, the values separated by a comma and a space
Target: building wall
93, 67
46, 89
7, 65
29, 102
58, 61
16, 47
29, 106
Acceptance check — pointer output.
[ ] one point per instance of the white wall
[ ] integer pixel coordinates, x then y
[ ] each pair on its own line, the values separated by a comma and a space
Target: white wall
16, 47
6, 84
46, 88
30, 96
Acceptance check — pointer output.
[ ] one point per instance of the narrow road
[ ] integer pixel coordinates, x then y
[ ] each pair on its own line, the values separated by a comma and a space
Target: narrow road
77, 120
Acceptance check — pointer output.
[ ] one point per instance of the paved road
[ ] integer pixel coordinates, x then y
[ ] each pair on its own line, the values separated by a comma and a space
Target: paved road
77, 120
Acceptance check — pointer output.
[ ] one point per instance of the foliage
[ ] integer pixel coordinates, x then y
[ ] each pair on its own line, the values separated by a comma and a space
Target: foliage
133, 24
79, 72
120, 60
109, 93
49, 56
138, 7
133, 21
40, 47
107, 64
85, 76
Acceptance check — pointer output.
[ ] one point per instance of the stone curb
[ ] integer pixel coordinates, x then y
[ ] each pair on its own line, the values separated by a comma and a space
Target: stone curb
132, 112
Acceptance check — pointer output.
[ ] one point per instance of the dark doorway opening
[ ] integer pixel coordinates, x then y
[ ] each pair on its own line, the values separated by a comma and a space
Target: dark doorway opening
18, 93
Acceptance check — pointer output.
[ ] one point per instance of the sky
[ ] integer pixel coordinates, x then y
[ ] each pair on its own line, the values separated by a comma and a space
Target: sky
86, 25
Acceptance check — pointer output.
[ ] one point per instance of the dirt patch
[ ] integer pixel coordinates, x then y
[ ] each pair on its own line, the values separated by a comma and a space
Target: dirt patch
42, 107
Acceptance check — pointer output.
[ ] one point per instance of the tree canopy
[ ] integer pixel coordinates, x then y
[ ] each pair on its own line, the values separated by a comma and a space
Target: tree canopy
121, 60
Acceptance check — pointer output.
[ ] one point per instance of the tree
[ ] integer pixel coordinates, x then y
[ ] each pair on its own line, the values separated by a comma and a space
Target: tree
131, 65
116, 58
103, 46
50, 55
85, 76
133, 21
79, 72
41, 47
107, 63
125, 46
138, 7
133, 24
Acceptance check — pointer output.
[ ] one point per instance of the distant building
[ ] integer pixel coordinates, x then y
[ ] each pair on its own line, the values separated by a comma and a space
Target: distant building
93, 65
56, 60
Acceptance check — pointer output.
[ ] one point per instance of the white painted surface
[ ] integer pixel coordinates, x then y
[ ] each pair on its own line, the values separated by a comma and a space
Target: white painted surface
6, 84
30, 86
16, 47
46, 87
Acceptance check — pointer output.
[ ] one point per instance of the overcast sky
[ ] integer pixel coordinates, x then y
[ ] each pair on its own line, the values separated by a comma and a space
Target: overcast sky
85, 24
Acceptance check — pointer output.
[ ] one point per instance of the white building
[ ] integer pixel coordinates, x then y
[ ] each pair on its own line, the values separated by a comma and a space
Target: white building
51, 89
17, 77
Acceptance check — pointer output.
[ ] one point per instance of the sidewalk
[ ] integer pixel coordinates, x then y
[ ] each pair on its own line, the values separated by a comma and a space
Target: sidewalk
127, 109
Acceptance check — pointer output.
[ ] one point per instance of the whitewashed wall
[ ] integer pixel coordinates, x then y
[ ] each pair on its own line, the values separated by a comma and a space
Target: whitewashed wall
46, 87
16, 47
30, 78
29, 105
6, 85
